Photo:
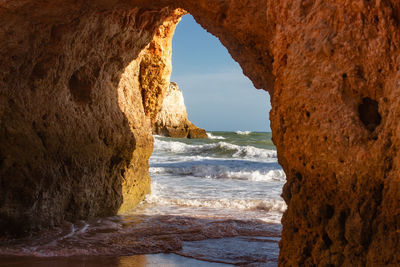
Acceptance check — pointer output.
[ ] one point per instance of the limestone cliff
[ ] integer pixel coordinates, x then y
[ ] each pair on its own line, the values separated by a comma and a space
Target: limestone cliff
172, 118
75, 131
81, 83
155, 66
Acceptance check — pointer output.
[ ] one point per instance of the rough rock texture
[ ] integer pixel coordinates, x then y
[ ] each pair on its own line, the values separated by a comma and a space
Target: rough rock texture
172, 120
75, 127
155, 66
335, 120
75, 140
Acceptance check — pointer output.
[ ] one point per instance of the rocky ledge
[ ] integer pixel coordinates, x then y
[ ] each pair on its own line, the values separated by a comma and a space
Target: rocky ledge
172, 120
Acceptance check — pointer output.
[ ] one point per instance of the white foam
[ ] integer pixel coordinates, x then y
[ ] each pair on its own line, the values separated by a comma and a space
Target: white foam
249, 151
221, 171
231, 150
244, 181
243, 132
211, 136
223, 203
170, 146
278, 175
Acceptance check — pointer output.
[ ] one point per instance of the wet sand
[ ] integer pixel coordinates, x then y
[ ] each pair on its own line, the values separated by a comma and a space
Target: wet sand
161, 259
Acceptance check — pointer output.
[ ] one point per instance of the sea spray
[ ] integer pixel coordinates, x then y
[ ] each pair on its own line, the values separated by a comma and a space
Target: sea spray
211, 136
220, 149
211, 169
243, 132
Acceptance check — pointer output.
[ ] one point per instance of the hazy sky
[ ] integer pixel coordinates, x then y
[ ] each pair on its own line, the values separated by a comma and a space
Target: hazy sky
217, 95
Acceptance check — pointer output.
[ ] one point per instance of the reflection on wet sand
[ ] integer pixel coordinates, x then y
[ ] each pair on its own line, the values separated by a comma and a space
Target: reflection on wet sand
125, 261
108, 241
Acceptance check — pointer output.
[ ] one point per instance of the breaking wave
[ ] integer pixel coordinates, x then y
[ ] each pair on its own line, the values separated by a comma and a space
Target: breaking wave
243, 132
220, 149
211, 136
224, 203
221, 171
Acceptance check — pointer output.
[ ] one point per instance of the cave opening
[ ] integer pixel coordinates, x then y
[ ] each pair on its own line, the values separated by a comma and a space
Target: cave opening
231, 176
76, 136
223, 191
218, 96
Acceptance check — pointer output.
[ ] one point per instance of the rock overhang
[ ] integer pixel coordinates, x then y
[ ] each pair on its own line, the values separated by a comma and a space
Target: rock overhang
331, 69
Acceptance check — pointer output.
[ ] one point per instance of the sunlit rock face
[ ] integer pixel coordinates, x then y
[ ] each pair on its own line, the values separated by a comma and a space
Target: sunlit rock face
335, 124
156, 66
75, 137
76, 112
172, 119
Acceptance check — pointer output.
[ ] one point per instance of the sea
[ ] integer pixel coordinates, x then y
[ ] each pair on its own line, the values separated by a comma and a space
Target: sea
213, 202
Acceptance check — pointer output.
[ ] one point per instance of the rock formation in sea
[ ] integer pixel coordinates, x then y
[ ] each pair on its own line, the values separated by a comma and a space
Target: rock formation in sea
82, 81
172, 120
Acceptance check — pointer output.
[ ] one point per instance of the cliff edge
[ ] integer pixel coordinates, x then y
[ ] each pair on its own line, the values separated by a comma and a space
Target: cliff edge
172, 121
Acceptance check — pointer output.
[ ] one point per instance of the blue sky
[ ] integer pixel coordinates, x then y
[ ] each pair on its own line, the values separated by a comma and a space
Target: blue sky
218, 96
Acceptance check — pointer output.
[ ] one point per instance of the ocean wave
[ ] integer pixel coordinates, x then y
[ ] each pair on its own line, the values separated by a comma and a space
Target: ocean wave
221, 171
243, 132
269, 205
217, 149
211, 136
170, 146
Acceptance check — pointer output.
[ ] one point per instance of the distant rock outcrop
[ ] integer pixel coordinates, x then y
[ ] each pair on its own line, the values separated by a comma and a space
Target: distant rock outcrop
172, 119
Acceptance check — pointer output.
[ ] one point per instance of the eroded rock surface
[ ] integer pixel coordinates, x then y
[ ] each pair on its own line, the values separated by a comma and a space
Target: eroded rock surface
76, 110
75, 137
335, 120
172, 120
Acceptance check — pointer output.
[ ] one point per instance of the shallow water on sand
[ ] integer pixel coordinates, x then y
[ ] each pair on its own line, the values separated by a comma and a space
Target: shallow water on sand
213, 201
123, 261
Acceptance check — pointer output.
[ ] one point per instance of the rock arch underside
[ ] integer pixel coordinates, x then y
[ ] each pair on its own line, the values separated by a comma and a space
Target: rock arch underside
82, 81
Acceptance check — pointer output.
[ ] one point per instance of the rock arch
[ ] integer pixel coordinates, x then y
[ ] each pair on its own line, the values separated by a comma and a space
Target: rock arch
75, 112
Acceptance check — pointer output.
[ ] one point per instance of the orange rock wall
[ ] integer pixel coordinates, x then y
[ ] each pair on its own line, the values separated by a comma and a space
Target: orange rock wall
75, 127
156, 66
334, 119
333, 86
75, 140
